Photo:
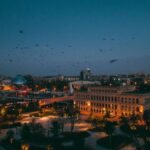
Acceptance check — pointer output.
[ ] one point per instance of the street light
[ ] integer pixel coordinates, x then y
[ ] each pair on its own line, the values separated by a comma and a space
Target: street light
25, 147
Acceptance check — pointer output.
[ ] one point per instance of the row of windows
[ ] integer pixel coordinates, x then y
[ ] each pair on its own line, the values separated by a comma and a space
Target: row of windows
110, 106
83, 108
110, 99
103, 91
147, 101
96, 110
104, 105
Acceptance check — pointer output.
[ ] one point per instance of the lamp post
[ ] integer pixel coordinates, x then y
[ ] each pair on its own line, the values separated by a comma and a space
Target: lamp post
25, 147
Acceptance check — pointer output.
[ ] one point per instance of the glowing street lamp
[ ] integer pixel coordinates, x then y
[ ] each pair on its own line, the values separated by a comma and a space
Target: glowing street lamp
3, 111
25, 147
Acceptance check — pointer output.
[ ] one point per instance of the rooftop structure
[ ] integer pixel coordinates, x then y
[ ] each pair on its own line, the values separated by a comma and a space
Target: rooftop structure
19, 80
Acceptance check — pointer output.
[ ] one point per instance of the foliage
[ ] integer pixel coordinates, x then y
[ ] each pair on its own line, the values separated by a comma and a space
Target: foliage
146, 117
118, 141
32, 130
6, 125
25, 132
10, 134
124, 120
126, 128
109, 127
55, 129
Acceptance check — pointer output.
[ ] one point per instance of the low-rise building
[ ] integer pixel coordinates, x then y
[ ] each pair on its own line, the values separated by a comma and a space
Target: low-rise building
118, 101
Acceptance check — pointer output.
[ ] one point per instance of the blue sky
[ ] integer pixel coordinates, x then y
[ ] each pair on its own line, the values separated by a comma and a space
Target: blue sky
48, 37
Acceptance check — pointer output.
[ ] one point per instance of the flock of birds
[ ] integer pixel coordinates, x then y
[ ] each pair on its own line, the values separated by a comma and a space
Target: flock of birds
53, 52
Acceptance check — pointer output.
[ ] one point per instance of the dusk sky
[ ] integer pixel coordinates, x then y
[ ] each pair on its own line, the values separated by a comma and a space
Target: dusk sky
49, 37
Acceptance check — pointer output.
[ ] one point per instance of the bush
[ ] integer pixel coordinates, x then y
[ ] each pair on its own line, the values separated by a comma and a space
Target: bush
117, 141
8, 125
125, 128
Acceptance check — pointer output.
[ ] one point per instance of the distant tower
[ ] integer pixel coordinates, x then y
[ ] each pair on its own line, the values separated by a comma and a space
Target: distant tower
85, 75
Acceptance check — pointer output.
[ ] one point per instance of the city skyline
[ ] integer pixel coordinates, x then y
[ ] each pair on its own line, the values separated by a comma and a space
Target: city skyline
64, 37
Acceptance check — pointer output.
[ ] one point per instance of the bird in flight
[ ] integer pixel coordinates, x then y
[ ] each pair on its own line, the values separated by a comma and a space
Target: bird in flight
21, 31
113, 61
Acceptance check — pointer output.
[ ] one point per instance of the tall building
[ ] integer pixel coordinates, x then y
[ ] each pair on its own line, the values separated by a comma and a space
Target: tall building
85, 74
117, 101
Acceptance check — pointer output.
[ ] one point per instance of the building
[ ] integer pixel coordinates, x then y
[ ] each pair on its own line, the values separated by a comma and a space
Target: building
19, 80
85, 74
77, 85
118, 101
71, 78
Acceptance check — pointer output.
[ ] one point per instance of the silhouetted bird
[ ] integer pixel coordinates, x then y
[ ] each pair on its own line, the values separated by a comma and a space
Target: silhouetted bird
113, 61
21, 31
37, 45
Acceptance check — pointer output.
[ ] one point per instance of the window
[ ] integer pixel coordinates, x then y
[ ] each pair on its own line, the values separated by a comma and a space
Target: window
137, 101
125, 100
133, 100
129, 100
137, 109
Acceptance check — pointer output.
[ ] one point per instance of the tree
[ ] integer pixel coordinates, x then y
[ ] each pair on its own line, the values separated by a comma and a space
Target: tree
109, 129
25, 132
124, 120
10, 136
134, 119
33, 106
141, 132
94, 122
55, 129
107, 115
32, 129
37, 129
72, 113
97, 123
61, 114
30, 81
146, 118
